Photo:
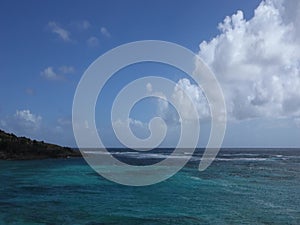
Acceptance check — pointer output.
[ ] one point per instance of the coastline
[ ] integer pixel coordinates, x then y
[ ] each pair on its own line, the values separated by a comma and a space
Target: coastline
22, 148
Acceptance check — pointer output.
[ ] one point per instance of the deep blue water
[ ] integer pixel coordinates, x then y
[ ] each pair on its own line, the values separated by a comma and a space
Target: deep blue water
240, 187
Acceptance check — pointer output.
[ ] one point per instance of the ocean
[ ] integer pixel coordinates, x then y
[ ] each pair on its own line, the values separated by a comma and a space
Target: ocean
242, 186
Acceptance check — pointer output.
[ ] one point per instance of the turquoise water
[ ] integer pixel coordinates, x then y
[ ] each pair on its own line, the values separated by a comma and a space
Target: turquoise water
238, 188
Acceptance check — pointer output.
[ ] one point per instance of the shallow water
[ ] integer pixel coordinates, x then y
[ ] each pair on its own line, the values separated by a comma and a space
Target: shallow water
240, 187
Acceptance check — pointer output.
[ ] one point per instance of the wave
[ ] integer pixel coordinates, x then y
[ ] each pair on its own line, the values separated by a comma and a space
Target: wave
187, 155
240, 154
242, 159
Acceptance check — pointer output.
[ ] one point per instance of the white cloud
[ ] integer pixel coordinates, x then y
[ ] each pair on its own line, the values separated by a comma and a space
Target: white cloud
82, 25
3, 124
168, 114
258, 61
63, 126
163, 105
64, 121
28, 124
190, 101
66, 69
23, 122
138, 128
190, 97
131, 122
49, 74
62, 33
149, 87
93, 42
27, 116
105, 32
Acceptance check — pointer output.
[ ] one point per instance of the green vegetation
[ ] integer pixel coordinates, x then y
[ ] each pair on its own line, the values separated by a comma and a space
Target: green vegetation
21, 148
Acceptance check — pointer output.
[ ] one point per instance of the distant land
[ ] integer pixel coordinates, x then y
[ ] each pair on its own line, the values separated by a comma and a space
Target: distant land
22, 148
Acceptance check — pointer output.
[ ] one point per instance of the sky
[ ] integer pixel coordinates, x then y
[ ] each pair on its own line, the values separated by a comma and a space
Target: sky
253, 48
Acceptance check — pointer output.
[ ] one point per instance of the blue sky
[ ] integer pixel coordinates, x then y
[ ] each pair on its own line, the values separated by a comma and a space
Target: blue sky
47, 45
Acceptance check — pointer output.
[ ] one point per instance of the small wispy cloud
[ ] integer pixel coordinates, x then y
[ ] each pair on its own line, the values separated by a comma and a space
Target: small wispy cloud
61, 32
23, 122
81, 25
49, 74
149, 87
66, 69
26, 117
64, 121
105, 32
93, 42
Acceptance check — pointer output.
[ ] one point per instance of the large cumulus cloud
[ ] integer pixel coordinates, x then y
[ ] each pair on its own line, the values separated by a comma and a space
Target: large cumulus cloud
258, 61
